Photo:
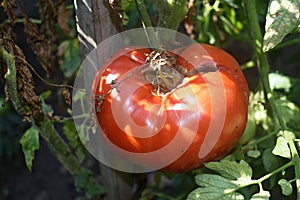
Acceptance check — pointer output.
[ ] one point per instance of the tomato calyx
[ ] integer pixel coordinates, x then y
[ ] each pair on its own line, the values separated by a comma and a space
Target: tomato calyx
162, 71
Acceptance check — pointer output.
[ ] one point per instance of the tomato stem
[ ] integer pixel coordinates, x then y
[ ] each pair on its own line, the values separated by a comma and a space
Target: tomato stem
146, 22
263, 68
255, 142
171, 13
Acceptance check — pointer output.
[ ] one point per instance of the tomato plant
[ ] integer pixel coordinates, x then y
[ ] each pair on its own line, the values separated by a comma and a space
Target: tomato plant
185, 107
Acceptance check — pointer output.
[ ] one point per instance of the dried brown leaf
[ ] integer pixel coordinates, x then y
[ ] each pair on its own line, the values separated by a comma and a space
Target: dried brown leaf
66, 94
62, 19
25, 84
8, 7
189, 24
48, 14
41, 46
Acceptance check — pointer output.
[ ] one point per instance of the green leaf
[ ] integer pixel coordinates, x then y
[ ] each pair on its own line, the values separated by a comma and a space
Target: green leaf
253, 153
282, 148
262, 195
250, 130
278, 81
95, 189
211, 194
30, 143
231, 3
270, 161
70, 132
71, 57
46, 108
289, 111
282, 18
127, 4
46, 94
206, 180
217, 187
81, 179
92, 188
286, 187
79, 95
231, 169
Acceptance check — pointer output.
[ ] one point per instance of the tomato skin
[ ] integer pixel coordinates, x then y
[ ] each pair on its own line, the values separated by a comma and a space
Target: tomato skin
134, 119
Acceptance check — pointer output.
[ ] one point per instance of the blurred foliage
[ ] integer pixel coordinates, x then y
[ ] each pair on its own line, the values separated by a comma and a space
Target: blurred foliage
11, 129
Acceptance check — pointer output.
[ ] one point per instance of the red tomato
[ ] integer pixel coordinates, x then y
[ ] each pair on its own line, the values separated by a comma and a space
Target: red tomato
180, 127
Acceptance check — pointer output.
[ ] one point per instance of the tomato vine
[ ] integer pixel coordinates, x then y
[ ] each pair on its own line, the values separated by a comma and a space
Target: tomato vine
263, 67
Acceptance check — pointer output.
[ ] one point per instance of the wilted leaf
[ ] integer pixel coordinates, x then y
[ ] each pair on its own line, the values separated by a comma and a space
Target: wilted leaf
48, 15
282, 148
282, 18
8, 7
30, 143
286, 187
41, 46
24, 81
67, 96
62, 19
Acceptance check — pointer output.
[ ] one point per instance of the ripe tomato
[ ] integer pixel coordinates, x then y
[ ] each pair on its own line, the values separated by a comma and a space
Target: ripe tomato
174, 114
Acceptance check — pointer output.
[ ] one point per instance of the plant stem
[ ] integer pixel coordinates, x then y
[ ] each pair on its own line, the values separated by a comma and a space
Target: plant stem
261, 139
170, 13
263, 68
44, 125
146, 22
267, 176
11, 77
280, 169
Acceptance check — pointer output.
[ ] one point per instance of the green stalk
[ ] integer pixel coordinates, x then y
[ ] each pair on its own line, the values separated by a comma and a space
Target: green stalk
11, 77
44, 125
171, 12
146, 22
279, 170
263, 68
